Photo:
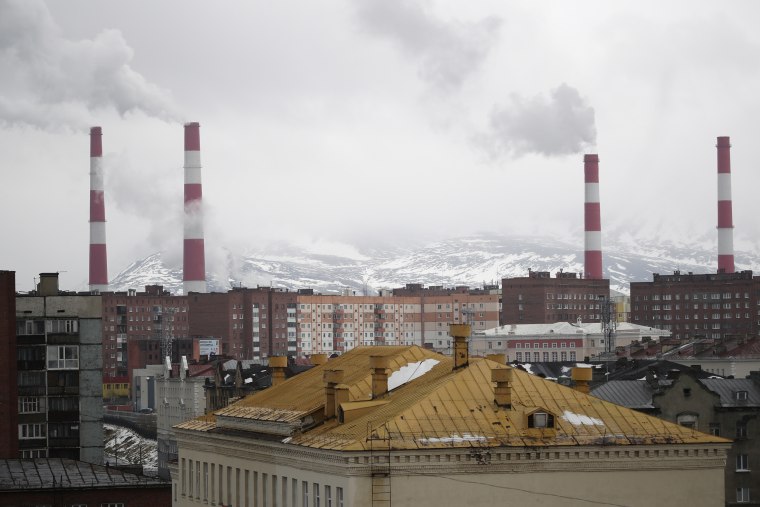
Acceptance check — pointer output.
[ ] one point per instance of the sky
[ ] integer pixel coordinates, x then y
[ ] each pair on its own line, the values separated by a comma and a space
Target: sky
344, 125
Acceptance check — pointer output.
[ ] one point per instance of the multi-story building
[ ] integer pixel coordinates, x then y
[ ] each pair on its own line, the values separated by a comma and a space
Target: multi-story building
561, 341
136, 324
715, 305
721, 407
406, 425
336, 324
8, 367
541, 299
58, 336
181, 397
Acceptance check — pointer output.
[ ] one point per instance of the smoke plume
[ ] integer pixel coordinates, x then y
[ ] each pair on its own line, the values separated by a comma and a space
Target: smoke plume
51, 82
447, 53
561, 124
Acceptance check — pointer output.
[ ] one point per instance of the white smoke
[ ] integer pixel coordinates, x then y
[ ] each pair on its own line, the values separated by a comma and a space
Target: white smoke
447, 52
561, 124
51, 82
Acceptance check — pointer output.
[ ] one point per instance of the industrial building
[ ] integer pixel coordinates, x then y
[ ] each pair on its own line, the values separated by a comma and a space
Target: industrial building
58, 341
404, 425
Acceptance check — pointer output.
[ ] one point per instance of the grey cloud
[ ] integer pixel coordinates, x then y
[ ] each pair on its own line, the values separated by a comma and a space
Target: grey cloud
560, 124
446, 52
50, 82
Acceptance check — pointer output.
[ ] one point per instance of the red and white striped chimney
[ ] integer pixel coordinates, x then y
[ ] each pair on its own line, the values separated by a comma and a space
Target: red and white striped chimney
98, 258
725, 215
592, 218
194, 265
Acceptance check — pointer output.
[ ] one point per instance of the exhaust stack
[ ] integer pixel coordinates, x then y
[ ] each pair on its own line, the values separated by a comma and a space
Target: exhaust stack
725, 214
592, 217
98, 257
194, 260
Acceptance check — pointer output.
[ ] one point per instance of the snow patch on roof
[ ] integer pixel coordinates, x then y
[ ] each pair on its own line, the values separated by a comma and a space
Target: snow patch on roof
410, 372
248, 380
581, 420
466, 437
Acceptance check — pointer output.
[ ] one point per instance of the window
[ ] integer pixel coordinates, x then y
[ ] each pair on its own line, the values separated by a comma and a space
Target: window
339, 496
740, 395
305, 491
328, 496
540, 420
715, 429
32, 430
63, 357
28, 405
316, 495
742, 495
741, 429
742, 463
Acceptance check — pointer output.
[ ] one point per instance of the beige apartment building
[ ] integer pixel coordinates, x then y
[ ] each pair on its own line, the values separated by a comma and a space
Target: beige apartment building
337, 324
404, 425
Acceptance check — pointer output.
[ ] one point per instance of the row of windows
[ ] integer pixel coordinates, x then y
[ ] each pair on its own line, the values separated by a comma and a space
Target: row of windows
228, 486
545, 345
694, 296
537, 356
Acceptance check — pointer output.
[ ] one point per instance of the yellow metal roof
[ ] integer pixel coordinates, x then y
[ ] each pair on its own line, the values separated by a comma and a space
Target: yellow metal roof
450, 408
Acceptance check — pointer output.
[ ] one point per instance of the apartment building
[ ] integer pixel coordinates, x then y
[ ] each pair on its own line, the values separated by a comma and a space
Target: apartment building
135, 324
714, 305
58, 340
541, 299
8, 367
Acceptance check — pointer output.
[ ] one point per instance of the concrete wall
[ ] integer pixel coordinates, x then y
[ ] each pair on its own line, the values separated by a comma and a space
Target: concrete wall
91, 390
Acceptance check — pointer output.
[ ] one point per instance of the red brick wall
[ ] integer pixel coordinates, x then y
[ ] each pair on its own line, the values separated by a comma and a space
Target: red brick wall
8, 380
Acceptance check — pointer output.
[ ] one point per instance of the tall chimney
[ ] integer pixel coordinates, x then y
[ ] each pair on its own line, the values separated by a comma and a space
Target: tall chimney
725, 215
592, 218
98, 258
194, 265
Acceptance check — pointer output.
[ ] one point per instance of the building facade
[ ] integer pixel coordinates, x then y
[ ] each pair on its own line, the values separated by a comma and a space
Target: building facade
561, 341
541, 299
716, 305
136, 324
405, 425
8, 367
58, 336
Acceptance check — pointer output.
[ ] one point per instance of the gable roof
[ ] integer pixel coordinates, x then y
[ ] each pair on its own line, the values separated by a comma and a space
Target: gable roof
442, 408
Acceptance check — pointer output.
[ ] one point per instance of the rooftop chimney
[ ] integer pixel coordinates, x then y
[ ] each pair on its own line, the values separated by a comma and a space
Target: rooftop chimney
98, 258
581, 377
318, 359
278, 365
592, 218
503, 391
194, 263
725, 215
460, 333
331, 378
497, 358
379, 367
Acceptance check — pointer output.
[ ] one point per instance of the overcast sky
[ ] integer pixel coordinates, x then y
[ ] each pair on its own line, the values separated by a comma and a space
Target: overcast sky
346, 124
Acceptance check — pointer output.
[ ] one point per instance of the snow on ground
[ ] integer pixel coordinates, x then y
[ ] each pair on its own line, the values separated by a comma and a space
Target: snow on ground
581, 420
122, 445
410, 372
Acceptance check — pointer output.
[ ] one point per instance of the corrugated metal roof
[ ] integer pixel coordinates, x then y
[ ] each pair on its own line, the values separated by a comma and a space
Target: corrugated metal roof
446, 408
727, 388
49, 473
628, 393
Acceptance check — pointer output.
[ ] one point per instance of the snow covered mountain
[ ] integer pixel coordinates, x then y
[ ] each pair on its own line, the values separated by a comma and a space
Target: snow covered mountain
472, 261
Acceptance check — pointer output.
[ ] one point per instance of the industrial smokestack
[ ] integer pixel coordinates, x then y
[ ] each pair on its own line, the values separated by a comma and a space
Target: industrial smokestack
194, 265
725, 215
592, 218
98, 257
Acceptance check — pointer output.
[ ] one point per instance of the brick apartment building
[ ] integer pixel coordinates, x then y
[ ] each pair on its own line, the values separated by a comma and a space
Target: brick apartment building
249, 323
8, 367
715, 305
541, 299
134, 325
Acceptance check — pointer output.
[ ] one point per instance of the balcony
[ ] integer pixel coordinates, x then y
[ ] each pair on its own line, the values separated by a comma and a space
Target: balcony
31, 390
63, 416
63, 442
62, 390
26, 365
